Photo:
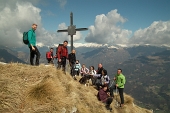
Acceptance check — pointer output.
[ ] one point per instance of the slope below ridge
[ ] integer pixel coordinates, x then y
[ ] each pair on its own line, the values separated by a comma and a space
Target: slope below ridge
43, 89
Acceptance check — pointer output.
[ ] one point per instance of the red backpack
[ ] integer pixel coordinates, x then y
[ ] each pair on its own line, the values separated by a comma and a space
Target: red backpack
48, 54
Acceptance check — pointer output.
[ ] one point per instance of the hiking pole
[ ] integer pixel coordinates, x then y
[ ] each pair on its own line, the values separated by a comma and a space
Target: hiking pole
117, 103
111, 84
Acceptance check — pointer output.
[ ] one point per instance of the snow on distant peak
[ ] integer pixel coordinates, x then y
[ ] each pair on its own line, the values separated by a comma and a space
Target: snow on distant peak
165, 45
87, 45
40, 44
122, 45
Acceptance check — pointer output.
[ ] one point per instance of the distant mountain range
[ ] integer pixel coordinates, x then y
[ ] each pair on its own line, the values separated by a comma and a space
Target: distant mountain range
146, 69
7, 55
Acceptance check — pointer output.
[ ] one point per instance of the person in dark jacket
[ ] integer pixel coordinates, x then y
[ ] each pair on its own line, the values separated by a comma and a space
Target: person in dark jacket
100, 68
104, 96
97, 80
72, 60
62, 55
32, 45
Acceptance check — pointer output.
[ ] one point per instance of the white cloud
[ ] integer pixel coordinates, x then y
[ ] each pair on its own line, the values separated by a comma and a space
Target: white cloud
87, 45
157, 33
17, 17
107, 29
15, 20
62, 3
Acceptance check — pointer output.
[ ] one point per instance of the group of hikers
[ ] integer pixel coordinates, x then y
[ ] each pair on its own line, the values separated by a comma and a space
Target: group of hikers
99, 77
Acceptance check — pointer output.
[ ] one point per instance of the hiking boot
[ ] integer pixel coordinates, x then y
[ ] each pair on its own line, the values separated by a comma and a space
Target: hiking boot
108, 107
74, 78
121, 105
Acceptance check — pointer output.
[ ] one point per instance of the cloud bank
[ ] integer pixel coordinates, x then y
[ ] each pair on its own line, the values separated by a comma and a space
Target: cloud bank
107, 29
158, 33
17, 17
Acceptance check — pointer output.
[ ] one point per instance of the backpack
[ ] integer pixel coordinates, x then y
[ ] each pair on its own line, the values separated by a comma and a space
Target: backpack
25, 37
48, 54
59, 45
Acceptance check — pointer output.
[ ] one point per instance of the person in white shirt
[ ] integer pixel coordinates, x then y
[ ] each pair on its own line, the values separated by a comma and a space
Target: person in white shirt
84, 70
91, 74
92, 71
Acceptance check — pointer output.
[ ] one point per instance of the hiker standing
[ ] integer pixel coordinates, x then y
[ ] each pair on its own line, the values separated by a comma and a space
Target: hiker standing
72, 60
62, 55
120, 82
50, 56
32, 45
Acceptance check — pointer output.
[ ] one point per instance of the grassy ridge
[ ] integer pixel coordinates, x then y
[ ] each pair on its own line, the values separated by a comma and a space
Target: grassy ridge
43, 89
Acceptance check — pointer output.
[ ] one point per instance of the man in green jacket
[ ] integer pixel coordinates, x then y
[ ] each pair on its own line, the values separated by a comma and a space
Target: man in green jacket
120, 82
32, 45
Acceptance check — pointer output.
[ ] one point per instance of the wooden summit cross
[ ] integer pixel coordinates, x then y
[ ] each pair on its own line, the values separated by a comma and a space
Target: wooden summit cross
72, 30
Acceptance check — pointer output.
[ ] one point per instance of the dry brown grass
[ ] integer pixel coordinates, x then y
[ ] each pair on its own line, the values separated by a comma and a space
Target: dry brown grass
27, 89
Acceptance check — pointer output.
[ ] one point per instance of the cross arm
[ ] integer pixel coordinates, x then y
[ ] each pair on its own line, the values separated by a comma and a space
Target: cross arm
64, 30
81, 29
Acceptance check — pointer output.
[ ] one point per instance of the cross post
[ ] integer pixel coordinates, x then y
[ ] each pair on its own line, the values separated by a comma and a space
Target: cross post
72, 30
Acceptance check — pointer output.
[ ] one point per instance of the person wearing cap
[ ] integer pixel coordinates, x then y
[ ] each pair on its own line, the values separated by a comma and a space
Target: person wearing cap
32, 45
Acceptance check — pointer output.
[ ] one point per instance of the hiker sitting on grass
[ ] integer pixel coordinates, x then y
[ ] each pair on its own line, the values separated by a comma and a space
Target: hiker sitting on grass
104, 96
104, 81
77, 67
97, 78
92, 72
50, 56
84, 70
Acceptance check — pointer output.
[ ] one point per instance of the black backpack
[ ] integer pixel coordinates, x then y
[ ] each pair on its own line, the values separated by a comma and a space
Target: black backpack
25, 37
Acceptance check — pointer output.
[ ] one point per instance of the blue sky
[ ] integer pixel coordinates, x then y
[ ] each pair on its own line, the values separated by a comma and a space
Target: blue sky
110, 22
139, 13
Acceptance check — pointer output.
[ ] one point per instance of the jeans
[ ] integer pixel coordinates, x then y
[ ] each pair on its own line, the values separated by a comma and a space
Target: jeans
50, 60
32, 54
109, 100
121, 95
62, 63
72, 71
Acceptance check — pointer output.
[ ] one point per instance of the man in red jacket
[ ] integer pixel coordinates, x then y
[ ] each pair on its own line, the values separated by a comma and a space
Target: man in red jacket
62, 55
